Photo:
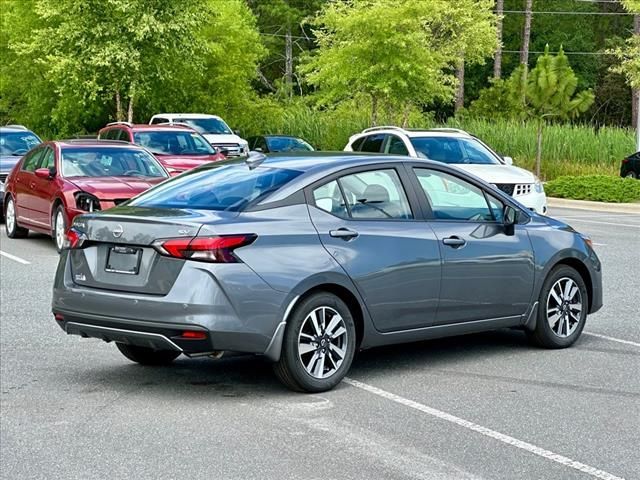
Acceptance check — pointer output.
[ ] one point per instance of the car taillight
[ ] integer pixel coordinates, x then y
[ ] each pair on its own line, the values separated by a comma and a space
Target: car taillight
74, 239
204, 249
625, 160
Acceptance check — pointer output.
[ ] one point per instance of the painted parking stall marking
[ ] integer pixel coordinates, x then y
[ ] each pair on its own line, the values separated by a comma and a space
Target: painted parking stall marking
501, 437
14, 258
612, 339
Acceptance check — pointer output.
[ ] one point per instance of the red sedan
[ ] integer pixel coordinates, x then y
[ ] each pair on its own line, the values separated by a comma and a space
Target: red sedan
177, 147
58, 180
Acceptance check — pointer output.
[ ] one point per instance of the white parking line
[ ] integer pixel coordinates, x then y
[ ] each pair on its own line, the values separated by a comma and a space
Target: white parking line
501, 437
602, 223
612, 339
14, 258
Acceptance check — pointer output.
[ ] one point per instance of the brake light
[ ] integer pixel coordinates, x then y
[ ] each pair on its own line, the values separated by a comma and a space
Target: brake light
204, 249
74, 239
194, 335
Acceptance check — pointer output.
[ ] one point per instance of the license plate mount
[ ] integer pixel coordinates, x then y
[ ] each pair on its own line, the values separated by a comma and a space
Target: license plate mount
123, 260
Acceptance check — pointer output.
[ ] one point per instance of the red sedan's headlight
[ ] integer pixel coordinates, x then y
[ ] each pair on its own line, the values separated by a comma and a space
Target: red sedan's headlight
87, 202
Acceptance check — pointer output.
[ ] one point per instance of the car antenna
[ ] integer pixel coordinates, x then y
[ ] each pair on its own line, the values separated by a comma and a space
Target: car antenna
254, 159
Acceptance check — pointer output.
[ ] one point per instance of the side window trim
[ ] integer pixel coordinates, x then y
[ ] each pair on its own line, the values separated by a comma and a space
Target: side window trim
413, 200
426, 204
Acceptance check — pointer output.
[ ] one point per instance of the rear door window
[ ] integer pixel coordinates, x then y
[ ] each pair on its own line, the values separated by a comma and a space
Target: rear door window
373, 143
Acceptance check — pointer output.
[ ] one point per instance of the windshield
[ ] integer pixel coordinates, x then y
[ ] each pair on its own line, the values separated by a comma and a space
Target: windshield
17, 143
288, 144
207, 125
229, 187
109, 162
174, 142
454, 150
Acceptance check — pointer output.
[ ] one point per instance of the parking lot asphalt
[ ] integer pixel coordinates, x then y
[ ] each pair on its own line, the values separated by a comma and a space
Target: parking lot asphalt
486, 406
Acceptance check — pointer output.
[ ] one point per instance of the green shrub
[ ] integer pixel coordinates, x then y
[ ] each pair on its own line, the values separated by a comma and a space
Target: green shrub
567, 149
601, 188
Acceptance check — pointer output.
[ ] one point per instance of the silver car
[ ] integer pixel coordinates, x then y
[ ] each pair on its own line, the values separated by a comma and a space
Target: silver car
305, 259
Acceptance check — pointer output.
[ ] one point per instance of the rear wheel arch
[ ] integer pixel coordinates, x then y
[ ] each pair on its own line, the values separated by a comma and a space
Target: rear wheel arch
347, 296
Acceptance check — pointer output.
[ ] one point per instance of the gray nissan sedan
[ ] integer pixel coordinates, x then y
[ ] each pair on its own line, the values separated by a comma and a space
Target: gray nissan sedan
306, 258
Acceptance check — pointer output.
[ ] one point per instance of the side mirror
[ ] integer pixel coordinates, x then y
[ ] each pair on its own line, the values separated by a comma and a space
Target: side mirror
508, 160
223, 151
237, 132
509, 219
45, 173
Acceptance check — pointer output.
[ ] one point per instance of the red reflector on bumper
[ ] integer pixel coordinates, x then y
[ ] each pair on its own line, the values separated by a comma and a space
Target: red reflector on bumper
59, 317
193, 335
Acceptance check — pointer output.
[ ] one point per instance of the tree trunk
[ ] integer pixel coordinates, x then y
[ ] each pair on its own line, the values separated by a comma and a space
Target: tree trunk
288, 64
497, 61
524, 51
539, 148
119, 115
526, 35
460, 92
374, 110
405, 115
130, 109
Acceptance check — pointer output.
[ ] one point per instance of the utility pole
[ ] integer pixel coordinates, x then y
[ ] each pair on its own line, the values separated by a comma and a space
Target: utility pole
636, 91
460, 92
497, 61
524, 51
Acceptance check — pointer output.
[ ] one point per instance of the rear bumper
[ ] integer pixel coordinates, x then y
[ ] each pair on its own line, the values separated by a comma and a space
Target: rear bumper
231, 304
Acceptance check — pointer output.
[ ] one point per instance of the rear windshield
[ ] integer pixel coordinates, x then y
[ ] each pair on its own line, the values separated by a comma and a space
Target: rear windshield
229, 187
166, 142
109, 162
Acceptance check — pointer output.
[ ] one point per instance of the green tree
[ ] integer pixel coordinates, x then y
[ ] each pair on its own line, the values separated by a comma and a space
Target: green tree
110, 51
399, 52
551, 94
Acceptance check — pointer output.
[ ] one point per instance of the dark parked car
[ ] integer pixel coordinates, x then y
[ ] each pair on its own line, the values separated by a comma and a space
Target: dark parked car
307, 258
15, 141
630, 166
177, 147
58, 180
278, 143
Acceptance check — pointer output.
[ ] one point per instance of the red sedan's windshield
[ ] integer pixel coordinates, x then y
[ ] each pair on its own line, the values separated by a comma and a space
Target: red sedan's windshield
109, 162
166, 142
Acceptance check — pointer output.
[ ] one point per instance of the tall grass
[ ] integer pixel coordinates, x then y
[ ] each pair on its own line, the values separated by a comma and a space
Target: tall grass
566, 150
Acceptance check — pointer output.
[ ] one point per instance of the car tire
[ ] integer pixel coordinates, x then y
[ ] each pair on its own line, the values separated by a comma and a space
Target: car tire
11, 222
58, 227
318, 345
562, 309
631, 175
147, 356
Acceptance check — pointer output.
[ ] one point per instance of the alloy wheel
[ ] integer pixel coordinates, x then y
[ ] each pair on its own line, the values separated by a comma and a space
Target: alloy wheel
564, 307
322, 342
59, 229
10, 219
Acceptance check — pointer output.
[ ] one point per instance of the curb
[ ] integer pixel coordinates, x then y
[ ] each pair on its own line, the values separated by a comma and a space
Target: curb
590, 205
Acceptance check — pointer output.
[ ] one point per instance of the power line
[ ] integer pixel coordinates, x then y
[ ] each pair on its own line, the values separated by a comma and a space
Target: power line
570, 13
555, 53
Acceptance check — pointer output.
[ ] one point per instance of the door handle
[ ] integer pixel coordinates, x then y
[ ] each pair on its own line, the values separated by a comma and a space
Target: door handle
343, 233
454, 241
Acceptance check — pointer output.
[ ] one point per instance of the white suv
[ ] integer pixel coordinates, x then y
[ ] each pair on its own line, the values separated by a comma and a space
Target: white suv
453, 146
212, 127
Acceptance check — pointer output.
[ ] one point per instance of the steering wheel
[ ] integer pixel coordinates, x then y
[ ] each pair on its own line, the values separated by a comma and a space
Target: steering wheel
22, 151
130, 173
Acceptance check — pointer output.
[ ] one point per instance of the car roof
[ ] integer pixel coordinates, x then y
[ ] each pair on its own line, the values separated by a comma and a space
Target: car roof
93, 143
145, 126
187, 115
14, 129
415, 132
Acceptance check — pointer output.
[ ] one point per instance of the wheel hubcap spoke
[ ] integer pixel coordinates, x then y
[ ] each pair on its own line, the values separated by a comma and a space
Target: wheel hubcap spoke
564, 307
322, 342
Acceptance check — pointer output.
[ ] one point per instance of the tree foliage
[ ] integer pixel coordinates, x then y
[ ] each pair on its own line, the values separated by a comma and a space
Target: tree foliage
397, 51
